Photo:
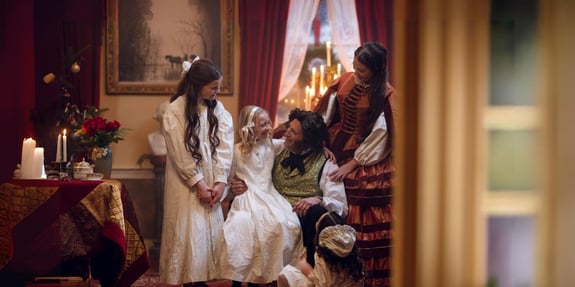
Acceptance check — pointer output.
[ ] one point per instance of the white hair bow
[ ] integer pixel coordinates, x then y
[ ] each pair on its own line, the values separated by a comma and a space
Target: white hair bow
186, 64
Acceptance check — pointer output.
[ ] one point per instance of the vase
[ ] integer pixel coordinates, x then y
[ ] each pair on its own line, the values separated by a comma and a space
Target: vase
102, 160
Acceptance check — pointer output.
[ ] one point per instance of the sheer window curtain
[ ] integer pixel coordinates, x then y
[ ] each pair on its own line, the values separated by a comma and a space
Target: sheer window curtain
344, 33
300, 17
342, 18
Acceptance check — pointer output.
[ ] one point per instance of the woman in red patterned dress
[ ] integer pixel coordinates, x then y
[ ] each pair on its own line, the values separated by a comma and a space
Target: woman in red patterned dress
358, 109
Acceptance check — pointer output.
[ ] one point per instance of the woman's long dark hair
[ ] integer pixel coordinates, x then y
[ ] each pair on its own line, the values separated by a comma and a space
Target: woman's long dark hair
201, 73
374, 56
353, 263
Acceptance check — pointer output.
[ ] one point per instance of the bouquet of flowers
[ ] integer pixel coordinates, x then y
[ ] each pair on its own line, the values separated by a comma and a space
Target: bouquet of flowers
99, 133
92, 133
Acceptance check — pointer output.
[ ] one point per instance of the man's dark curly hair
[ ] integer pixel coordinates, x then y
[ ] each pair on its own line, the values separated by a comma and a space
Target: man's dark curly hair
315, 134
353, 263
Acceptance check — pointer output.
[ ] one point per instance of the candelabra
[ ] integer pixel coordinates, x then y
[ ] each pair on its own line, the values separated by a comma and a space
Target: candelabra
319, 81
318, 73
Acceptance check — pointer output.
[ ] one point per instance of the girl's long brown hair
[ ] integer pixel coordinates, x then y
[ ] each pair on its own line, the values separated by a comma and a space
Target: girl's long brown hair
201, 73
374, 56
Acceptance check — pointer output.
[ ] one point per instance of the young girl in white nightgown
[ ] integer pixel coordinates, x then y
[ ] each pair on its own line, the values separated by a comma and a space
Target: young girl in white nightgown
199, 136
261, 233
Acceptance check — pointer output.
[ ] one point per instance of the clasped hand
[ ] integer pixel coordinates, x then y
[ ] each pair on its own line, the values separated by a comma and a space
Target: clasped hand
208, 195
303, 205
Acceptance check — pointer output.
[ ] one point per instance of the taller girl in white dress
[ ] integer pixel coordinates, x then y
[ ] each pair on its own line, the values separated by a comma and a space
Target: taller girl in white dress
199, 137
261, 233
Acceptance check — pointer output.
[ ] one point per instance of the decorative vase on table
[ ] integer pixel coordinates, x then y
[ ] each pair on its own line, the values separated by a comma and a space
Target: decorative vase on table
102, 160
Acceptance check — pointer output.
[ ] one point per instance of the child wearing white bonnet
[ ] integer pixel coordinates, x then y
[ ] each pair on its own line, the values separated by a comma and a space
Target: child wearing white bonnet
339, 239
337, 259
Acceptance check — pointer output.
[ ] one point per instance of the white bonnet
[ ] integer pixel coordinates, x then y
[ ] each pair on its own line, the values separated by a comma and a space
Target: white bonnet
340, 239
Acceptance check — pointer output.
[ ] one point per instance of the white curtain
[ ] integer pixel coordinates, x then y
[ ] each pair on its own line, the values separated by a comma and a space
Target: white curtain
342, 19
300, 17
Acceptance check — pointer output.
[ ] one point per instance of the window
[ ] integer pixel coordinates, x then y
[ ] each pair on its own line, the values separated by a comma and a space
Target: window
467, 110
511, 129
319, 53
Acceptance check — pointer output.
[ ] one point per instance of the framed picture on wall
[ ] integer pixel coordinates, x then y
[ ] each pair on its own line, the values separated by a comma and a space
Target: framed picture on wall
148, 40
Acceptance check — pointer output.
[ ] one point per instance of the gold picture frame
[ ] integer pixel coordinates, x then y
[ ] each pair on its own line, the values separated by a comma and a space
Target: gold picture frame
146, 42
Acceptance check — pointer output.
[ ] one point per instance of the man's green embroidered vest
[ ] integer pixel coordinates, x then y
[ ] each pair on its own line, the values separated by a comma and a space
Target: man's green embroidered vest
294, 186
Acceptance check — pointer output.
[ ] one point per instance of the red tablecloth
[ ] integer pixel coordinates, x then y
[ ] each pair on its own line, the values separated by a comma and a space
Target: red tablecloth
44, 223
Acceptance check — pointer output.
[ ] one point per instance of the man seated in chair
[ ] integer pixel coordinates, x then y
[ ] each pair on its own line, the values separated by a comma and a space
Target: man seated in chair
300, 174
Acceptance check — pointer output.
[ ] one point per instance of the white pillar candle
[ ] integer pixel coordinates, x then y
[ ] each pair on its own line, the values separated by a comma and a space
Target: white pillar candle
59, 149
38, 163
321, 75
338, 70
307, 97
65, 145
328, 48
313, 72
26, 166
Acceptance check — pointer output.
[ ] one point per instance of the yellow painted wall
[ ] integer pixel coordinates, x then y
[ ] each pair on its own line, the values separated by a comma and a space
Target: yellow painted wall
135, 113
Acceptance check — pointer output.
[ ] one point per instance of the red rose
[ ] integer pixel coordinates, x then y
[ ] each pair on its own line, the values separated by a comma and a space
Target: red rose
112, 126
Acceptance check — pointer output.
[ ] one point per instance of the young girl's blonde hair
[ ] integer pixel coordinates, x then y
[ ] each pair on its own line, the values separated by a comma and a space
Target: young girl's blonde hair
247, 122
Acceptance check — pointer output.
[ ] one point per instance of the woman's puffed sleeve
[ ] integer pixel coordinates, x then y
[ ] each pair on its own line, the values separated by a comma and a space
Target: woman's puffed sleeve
334, 198
372, 149
224, 151
174, 133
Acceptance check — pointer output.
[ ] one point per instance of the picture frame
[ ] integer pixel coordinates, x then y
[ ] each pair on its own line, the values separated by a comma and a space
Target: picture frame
147, 41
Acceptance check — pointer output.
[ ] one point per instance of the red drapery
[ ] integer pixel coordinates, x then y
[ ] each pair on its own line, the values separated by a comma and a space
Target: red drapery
16, 80
375, 18
65, 29
262, 32
34, 37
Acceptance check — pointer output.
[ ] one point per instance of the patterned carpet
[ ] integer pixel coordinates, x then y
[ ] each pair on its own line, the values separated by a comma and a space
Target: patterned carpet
150, 279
